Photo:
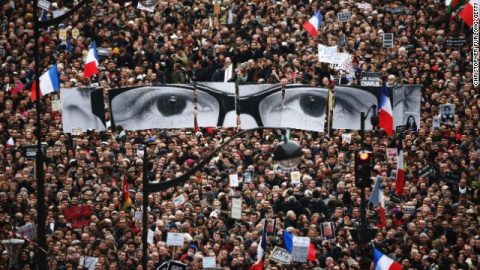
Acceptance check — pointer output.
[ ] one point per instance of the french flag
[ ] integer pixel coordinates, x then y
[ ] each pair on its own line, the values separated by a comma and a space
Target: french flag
312, 25
385, 114
91, 65
288, 241
378, 200
468, 12
49, 83
400, 180
258, 265
382, 262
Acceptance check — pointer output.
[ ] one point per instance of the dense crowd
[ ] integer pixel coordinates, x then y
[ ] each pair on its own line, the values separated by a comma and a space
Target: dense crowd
181, 42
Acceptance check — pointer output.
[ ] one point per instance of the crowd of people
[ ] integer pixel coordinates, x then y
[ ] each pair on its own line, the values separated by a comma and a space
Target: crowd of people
182, 42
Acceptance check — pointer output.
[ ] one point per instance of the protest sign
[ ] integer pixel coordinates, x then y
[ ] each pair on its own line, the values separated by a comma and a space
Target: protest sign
233, 178
408, 210
280, 255
451, 178
301, 245
78, 215
344, 17
247, 176
295, 176
27, 231
370, 79
174, 265
237, 208
179, 200
425, 171
175, 239
388, 40
392, 154
326, 54
209, 262
88, 262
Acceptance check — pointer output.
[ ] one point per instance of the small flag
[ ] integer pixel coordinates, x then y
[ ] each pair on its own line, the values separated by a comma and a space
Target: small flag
258, 265
378, 200
28, 231
91, 65
10, 142
127, 202
49, 83
382, 262
467, 12
228, 73
400, 180
312, 25
385, 114
43, 16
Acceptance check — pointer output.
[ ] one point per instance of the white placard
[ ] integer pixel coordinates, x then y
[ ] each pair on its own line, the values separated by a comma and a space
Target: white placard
209, 262
364, 5
295, 176
347, 138
233, 177
179, 200
148, 5
150, 236
43, 4
326, 54
175, 239
300, 248
236, 208
56, 105
138, 215
408, 210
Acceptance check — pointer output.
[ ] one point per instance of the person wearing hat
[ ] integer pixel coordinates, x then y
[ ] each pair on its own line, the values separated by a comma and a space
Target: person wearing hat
209, 200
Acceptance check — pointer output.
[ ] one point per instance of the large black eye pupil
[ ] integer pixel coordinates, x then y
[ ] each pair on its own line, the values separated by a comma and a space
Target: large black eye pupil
311, 105
171, 106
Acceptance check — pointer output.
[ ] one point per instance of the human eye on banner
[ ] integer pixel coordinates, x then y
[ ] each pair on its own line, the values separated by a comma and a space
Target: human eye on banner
137, 108
302, 107
83, 108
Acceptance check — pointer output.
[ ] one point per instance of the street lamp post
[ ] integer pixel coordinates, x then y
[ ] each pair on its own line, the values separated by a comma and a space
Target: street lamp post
288, 154
41, 209
363, 207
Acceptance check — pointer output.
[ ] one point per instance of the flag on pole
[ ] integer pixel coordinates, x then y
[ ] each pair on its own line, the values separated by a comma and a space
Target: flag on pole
258, 265
467, 12
382, 262
378, 200
91, 65
49, 83
127, 202
312, 25
385, 113
452, 7
288, 241
400, 180
228, 73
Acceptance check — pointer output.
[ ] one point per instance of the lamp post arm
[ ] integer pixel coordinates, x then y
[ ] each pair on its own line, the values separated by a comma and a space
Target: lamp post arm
62, 18
157, 187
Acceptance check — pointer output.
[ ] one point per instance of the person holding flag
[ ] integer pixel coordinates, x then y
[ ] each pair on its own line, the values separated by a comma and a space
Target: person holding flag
126, 201
258, 265
49, 83
311, 26
378, 200
92, 63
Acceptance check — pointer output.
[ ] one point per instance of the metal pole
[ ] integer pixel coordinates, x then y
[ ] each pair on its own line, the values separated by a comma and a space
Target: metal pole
363, 206
41, 211
144, 211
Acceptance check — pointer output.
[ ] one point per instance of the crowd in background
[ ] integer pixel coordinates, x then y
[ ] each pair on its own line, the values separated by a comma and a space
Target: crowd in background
182, 42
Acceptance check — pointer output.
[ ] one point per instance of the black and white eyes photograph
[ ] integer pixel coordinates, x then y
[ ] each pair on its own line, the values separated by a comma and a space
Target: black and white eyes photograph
83, 108
406, 102
447, 114
349, 102
137, 108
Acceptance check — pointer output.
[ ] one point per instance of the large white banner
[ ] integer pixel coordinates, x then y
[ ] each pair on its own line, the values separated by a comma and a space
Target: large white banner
83, 108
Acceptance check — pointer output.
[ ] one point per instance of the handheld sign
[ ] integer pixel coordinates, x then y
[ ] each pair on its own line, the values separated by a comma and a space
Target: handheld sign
388, 40
175, 239
344, 17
